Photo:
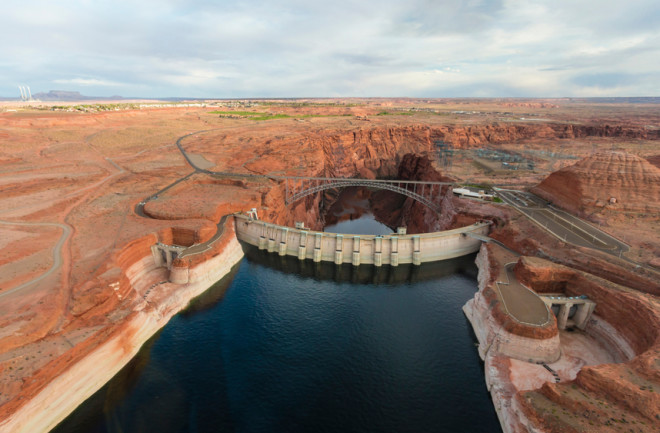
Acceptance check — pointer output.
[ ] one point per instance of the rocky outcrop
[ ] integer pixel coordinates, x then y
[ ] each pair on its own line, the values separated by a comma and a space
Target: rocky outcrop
655, 160
502, 338
529, 239
88, 367
632, 313
376, 151
120, 299
612, 181
602, 397
629, 389
496, 328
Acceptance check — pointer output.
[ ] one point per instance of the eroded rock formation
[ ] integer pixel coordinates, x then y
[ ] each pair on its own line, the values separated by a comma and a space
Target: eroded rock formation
605, 181
108, 297
609, 396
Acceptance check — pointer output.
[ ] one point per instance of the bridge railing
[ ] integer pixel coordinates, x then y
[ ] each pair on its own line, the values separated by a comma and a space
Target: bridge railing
423, 191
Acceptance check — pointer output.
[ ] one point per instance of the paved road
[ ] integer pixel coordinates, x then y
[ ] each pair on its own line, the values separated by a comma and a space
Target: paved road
57, 253
562, 224
139, 208
196, 248
215, 173
66, 231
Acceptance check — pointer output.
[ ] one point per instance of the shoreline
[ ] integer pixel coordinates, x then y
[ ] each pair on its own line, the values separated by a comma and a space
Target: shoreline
60, 397
487, 331
509, 368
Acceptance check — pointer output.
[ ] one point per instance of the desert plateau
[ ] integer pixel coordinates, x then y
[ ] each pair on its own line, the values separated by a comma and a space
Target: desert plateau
114, 216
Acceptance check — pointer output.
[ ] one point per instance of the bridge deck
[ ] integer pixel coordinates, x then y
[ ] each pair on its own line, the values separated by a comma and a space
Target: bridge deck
424, 192
347, 179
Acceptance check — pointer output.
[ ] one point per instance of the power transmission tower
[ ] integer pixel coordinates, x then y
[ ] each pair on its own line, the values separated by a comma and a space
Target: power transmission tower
444, 154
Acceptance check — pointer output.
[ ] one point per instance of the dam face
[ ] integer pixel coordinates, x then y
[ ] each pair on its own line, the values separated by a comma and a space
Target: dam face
359, 249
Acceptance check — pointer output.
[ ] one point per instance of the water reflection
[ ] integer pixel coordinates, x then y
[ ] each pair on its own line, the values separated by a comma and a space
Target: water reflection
363, 274
209, 298
351, 214
366, 224
295, 346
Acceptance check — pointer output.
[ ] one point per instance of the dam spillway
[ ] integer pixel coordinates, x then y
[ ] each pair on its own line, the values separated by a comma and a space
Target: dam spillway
391, 250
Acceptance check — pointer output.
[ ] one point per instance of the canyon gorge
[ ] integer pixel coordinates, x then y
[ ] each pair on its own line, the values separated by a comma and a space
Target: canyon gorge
86, 195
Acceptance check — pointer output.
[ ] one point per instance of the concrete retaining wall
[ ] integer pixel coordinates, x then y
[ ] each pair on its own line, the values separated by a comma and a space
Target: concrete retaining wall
359, 249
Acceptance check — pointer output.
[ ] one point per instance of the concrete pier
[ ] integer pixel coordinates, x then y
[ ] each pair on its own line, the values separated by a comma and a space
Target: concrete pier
390, 250
164, 254
378, 248
581, 308
356, 251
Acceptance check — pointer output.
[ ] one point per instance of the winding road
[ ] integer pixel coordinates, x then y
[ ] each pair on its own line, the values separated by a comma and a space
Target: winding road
66, 230
57, 253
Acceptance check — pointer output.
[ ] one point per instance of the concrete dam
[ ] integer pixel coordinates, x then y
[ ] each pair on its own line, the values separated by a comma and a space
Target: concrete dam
390, 250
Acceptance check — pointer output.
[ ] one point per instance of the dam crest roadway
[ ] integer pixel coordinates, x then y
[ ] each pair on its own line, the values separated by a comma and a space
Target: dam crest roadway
392, 250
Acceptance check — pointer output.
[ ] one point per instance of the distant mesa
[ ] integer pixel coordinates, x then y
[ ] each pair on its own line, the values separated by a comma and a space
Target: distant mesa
67, 95
617, 181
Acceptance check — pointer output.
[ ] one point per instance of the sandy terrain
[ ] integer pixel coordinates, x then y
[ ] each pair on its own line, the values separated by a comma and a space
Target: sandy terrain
72, 280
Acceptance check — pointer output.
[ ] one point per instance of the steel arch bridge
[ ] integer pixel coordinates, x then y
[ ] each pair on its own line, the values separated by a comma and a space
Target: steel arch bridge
422, 191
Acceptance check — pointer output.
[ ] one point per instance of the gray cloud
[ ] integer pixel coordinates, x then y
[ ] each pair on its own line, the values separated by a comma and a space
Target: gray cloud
609, 80
432, 17
301, 48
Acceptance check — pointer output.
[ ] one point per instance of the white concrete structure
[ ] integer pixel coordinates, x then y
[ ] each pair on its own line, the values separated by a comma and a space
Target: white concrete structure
359, 249
579, 316
467, 192
164, 254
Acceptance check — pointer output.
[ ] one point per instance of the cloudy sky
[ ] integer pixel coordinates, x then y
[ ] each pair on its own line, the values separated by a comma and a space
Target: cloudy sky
306, 48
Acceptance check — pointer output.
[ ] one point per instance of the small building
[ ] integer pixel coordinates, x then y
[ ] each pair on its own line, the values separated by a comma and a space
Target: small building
473, 193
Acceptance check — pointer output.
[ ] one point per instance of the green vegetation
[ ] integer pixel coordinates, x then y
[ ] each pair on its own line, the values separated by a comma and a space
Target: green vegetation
483, 186
301, 116
306, 104
267, 116
241, 113
497, 200
258, 115
398, 113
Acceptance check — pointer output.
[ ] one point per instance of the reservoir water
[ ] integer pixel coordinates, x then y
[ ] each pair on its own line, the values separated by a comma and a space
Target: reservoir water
288, 346
351, 214
364, 225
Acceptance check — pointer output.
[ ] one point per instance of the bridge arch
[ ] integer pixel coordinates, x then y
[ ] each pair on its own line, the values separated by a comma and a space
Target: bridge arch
302, 187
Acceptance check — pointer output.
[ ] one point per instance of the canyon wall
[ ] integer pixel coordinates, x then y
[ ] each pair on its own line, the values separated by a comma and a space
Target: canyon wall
630, 312
190, 213
378, 152
626, 322
91, 367
612, 181
496, 329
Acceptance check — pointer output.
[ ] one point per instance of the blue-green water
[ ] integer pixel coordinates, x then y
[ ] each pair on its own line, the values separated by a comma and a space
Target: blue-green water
289, 346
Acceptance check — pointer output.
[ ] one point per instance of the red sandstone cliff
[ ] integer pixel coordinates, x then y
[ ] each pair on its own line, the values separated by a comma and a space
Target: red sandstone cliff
590, 184
606, 397
188, 214
655, 160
